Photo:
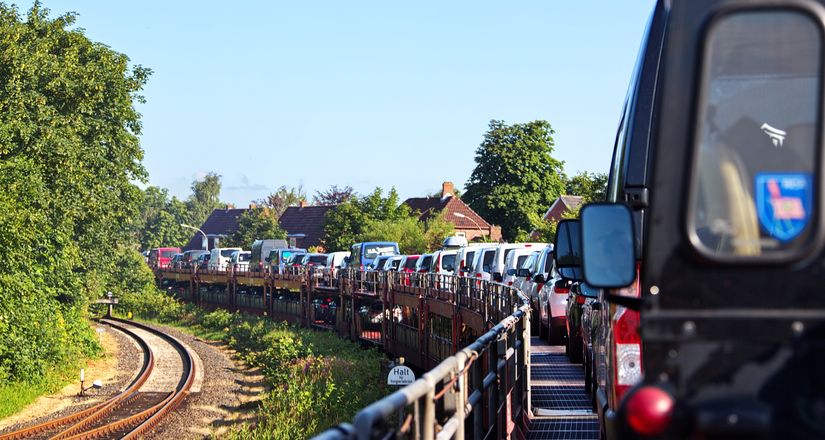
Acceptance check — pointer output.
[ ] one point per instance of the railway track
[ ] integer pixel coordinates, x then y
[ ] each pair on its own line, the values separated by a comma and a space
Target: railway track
139, 407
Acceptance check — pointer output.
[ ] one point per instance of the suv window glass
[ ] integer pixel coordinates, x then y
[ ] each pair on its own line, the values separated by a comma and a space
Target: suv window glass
409, 263
521, 260
228, 252
244, 257
548, 263
487, 262
448, 262
167, 254
756, 135
318, 259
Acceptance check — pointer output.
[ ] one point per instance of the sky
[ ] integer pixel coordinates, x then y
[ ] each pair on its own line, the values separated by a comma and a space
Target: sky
364, 93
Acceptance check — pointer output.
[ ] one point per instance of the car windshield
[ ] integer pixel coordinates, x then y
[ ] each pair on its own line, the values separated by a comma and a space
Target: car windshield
318, 259
410, 263
469, 257
487, 264
548, 263
244, 257
374, 250
426, 261
521, 260
228, 252
448, 262
168, 253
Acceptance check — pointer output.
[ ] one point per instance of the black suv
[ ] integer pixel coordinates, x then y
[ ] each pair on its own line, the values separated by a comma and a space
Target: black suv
709, 254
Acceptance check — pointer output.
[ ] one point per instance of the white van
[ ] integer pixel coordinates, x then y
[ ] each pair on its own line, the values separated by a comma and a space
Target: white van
444, 262
336, 260
501, 254
483, 263
220, 257
464, 259
513, 262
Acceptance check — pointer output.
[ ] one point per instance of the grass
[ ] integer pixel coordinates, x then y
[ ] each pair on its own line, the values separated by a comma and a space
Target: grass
14, 396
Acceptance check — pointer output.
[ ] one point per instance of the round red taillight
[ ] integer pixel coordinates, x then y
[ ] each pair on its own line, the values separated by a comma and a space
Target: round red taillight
649, 411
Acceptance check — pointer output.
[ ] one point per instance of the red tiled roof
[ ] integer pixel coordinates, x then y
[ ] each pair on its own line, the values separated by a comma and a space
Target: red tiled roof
429, 206
307, 220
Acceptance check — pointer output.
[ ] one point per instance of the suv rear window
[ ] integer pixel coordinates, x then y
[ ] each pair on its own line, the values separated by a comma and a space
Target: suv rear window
753, 183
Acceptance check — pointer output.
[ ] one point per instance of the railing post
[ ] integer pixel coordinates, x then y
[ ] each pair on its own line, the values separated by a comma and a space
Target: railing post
493, 391
525, 364
478, 413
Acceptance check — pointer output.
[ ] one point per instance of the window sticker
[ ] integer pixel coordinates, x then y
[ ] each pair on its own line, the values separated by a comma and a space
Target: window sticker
783, 202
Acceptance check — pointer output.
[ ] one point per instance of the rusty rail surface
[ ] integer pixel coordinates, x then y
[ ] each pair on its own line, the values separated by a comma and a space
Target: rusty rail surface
131, 426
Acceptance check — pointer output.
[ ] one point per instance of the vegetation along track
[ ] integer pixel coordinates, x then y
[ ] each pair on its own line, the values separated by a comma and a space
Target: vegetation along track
141, 405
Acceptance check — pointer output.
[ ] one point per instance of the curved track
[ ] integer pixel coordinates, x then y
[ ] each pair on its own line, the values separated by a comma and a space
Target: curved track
141, 405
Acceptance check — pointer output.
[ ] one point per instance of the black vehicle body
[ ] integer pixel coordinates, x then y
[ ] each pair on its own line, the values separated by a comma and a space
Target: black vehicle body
736, 338
579, 296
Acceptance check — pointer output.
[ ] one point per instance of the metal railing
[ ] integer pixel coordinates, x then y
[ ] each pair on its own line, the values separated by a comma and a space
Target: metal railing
482, 391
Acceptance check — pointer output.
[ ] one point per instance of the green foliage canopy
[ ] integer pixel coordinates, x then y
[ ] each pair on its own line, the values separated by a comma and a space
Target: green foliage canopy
69, 157
255, 224
515, 175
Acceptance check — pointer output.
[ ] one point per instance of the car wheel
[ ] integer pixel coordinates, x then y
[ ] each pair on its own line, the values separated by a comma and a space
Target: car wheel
535, 323
575, 352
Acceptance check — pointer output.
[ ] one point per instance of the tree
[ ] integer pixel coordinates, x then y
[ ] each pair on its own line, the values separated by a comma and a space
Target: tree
591, 186
159, 223
69, 160
205, 198
283, 198
255, 224
545, 230
515, 175
333, 195
346, 223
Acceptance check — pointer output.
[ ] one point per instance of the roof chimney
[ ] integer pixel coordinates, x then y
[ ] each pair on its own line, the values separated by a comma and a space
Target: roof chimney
303, 204
252, 206
230, 206
447, 189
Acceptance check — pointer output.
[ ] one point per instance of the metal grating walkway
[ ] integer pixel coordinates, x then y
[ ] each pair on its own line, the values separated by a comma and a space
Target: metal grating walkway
561, 408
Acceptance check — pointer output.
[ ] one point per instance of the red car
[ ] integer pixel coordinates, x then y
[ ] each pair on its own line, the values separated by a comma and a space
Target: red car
161, 257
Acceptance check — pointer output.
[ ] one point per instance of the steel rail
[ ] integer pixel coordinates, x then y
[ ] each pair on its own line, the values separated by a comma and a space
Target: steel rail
101, 409
143, 421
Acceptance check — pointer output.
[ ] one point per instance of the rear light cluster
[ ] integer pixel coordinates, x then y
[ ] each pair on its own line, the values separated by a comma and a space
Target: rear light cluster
628, 345
579, 299
649, 411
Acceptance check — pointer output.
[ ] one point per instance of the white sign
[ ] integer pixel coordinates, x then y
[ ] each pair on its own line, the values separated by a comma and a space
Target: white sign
400, 375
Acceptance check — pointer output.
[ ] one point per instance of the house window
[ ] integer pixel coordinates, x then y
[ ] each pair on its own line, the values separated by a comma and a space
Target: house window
461, 234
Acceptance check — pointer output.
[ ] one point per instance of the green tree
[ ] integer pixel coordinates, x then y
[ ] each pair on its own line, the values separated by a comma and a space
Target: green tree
515, 175
69, 157
348, 222
545, 230
591, 186
159, 223
255, 224
205, 198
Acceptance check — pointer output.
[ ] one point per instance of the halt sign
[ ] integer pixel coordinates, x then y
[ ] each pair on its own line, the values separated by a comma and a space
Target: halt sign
400, 375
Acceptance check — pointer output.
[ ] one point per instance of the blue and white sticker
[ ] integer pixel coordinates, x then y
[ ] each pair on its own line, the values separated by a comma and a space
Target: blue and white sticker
783, 203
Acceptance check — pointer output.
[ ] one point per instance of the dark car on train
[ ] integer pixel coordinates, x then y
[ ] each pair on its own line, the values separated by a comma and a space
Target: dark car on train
709, 252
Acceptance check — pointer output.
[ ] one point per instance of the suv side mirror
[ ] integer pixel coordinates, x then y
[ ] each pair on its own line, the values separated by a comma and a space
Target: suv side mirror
511, 272
607, 240
497, 277
524, 273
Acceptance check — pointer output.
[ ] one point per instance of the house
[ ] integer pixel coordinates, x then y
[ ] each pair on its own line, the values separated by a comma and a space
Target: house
304, 224
220, 224
561, 206
466, 221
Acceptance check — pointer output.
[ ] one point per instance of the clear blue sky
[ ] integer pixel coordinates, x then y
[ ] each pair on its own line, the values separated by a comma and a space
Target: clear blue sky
364, 94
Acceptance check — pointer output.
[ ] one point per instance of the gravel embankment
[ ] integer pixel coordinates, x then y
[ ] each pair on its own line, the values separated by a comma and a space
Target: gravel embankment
224, 394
